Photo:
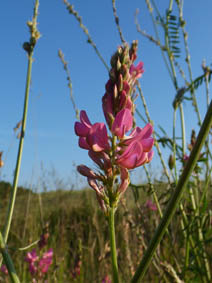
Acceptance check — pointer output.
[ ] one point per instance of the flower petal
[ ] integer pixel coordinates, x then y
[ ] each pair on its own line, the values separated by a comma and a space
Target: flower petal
122, 123
97, 137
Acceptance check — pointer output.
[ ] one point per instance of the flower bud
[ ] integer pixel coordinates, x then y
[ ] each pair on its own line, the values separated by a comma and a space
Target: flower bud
171, 162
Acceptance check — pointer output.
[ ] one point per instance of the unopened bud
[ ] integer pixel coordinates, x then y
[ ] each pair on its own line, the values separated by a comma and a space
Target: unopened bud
1, 161
171, 162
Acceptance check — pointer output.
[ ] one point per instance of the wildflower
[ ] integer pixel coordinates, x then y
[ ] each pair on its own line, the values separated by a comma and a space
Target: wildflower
150, 205
116, 154
4, 269
106, 279
137, 71
77, 268
137, 148
32, 258
92, 137
46, 261
39, 264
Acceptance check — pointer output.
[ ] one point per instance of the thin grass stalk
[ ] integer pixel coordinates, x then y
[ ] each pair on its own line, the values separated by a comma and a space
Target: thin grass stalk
8, 261
174, 145
173, 203
185, 38
65, 66
208, 153
183, 131
117, 22
155, 143
71, 10
113, 244
20, 150
29, 47
153, 192
157, 34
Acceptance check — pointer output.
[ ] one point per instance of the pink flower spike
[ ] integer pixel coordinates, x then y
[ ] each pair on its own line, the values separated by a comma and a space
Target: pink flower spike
87, 172
97, 137
31, 256
122, 123
82, 128
137, 71
46, 261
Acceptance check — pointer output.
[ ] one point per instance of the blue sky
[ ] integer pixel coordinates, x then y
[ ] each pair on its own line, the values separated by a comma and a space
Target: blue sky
50, 138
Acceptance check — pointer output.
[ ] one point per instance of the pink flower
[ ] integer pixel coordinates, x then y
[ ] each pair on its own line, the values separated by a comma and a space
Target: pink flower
46, 261
122, 123
102, 160
136, 149
82, 128
32, 258
97, 137
4, 269
92, 137
106, 279
137, 71
87, 172
152, 206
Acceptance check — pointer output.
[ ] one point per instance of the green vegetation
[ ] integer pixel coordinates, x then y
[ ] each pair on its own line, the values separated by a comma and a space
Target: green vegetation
78, 232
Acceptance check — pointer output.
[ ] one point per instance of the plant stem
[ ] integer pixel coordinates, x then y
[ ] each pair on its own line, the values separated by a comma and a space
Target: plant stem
20, 150
172, 205
8, 261
28, 47
113, 244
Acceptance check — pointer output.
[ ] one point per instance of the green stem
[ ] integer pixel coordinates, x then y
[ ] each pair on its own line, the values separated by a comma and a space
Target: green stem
20, 150
8, 261
113, 244
173, 203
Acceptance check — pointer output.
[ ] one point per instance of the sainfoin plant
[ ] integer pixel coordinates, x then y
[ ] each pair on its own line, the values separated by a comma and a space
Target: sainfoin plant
116, 148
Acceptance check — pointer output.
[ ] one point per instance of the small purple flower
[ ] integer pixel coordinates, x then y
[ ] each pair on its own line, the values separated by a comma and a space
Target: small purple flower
4, 269
32, 258
106, 279
152, 206
81, 128
46, 261
137, 71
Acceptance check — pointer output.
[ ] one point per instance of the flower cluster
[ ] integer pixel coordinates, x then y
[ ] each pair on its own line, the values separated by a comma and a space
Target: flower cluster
39, 262
128, 146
